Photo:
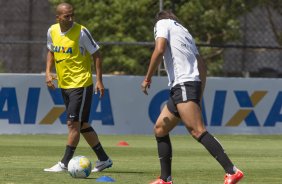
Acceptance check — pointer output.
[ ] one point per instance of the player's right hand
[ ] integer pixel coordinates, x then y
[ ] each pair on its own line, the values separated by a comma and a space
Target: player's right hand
145, 84
49, 80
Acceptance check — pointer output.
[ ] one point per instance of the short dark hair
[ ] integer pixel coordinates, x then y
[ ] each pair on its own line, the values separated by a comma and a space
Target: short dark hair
165, 14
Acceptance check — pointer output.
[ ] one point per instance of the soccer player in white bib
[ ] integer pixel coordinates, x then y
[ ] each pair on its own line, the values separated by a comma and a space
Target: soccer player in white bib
186, 72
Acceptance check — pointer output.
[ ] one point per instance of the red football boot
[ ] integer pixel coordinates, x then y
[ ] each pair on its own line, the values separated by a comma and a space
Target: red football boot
160, 181
233, 178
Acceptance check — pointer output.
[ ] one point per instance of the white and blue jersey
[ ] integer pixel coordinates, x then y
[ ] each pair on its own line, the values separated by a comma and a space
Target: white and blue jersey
180, 54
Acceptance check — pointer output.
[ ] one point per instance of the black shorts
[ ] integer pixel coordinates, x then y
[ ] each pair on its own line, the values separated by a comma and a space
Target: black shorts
187, 91
78, 103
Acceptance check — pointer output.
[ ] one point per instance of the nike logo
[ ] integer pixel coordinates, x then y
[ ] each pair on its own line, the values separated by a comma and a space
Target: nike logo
58, 61
71, 116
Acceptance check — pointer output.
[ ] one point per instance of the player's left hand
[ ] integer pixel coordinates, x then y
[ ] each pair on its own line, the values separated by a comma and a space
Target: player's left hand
99, 87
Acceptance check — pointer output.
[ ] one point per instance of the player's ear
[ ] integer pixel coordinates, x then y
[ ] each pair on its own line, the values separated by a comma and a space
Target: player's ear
57, 18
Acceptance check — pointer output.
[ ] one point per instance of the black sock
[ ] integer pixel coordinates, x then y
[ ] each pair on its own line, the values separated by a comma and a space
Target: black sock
101, 154
68, 155
165, 156
216, 150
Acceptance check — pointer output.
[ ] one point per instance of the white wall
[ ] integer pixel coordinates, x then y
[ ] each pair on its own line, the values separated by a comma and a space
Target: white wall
231, 106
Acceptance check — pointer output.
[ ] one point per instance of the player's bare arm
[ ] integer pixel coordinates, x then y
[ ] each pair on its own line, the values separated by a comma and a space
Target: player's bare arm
203, 72
99, 86
156, 58
49, 65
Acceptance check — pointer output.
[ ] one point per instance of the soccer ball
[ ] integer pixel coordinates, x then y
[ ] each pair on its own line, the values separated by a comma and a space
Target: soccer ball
79, 167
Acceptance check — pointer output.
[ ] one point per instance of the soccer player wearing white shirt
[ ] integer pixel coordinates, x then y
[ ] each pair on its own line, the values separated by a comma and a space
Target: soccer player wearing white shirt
187, 76
71, 49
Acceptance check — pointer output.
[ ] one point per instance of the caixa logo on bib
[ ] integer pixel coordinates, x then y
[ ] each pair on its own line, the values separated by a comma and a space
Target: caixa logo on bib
244, 113
9, 108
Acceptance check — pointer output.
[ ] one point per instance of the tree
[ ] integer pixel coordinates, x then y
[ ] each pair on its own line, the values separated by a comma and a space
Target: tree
277, 6
210, 22
119, 21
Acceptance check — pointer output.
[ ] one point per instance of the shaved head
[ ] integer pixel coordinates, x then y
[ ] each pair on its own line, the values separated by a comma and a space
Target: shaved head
62, 7
65, 16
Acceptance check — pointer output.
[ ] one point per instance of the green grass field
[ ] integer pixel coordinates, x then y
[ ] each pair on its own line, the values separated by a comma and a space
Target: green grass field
23, 157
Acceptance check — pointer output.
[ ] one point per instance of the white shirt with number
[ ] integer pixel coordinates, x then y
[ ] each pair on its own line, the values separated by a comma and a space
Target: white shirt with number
180, 54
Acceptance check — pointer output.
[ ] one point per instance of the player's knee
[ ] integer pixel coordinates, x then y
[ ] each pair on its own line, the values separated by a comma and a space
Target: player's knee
73, 127
160, 131
197, 133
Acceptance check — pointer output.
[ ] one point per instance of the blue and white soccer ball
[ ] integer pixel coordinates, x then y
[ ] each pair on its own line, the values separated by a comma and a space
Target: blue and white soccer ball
79, 167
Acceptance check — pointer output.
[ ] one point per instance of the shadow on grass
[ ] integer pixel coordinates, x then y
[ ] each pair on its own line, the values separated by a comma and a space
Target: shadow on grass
124, 172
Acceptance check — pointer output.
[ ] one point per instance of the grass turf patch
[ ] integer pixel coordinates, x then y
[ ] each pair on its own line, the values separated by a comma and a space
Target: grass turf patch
23, 158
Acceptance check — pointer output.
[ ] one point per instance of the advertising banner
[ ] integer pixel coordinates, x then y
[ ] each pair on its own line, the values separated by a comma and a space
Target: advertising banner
230, 106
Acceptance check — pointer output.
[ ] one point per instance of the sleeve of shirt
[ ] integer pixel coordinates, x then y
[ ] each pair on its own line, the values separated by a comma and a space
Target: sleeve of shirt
161, 29
88, 42
49, 40
194, 48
